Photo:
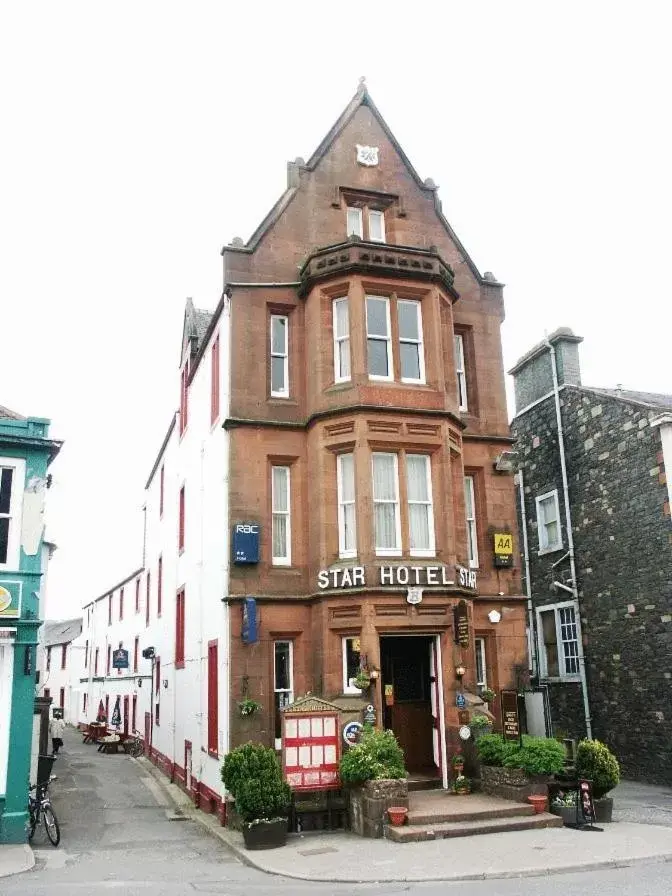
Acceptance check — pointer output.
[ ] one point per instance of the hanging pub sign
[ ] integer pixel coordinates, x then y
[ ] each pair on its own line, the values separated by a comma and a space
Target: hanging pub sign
510, 718
249, 630
311, 745
461, 624
120, 659
246, 543
503, 547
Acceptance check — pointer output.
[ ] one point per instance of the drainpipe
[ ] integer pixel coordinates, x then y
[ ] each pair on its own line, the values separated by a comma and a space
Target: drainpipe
570, 543
534, 658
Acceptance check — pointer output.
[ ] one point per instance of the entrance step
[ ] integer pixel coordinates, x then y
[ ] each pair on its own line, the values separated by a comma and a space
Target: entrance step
415, 833
423, 782
437, 807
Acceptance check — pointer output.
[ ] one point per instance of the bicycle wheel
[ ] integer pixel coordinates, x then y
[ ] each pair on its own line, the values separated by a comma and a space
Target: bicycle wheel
51, 825
32, 823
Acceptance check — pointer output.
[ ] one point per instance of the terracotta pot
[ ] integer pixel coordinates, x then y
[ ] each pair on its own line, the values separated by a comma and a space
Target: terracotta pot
397, 815
539, 801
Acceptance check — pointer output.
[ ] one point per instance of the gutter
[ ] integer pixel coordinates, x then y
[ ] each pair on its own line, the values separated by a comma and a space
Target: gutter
570, 543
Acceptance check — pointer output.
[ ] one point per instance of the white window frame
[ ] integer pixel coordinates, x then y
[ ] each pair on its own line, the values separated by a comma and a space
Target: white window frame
343, 551
472, 523
396, 551
339, 377
387, 339
285, 560
556, 609
276, 690
431, 550
357, 212
479, 644
557, 546
380, 216
419, 342
280, 393
348, 688
18, 467
461, 373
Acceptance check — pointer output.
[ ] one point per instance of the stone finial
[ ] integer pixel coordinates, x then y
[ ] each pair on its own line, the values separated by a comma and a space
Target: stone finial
238, 242
361, 85
490, 276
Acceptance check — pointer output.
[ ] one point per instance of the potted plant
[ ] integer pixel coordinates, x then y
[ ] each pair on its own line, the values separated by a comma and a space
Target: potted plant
487, 695
462, 785
564, 805
248, 706
397, 815
362, 680
506, 765
458, 764
480, 724
596, 763
252, 775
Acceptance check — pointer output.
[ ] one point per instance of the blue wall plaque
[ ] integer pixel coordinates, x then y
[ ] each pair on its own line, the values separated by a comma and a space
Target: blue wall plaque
249, 621
246, 543
120, 659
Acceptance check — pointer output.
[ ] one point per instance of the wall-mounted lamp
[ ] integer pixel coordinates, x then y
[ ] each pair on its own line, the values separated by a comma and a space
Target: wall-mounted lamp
165, 682
460, 671
494, 616
374, 674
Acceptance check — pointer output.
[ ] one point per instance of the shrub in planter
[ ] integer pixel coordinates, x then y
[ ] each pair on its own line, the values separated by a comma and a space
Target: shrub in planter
537, 756
377, 756
596, 762
251, 773
492, 749
480, 724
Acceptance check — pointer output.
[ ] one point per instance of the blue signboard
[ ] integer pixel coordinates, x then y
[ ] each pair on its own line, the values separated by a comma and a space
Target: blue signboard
246, 543
120, 659
249, 621
460, 701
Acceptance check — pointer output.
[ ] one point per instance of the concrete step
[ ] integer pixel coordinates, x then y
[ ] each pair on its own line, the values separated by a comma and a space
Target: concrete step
415, 833
442, 813
423, 782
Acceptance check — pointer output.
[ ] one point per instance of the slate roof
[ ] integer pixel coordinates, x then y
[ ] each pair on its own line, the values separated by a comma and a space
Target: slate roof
11, 415
62, 632
650, 399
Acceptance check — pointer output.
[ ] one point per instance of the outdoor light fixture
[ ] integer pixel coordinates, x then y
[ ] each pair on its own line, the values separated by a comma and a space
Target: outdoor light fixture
374, 673
148, 653
460, 671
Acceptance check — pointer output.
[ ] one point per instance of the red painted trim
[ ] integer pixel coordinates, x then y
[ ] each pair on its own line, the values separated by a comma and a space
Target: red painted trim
203, 796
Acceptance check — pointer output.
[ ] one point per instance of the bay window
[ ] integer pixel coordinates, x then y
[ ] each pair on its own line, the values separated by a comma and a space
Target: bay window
351, 664
420, 510
386, 520
341, 328
411, 355
279, 356
470, 510
347, 525
378, 338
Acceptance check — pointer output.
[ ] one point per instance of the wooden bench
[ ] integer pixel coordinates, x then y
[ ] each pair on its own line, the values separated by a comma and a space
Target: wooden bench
109, 744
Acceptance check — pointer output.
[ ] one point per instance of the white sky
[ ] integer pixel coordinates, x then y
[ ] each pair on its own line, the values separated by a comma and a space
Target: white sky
139, 137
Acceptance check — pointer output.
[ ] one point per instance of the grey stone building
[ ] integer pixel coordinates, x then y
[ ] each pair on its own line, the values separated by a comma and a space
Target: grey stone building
596, 542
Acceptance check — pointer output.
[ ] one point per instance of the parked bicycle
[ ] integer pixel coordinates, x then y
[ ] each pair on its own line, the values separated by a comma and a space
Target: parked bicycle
135, 746
40, 807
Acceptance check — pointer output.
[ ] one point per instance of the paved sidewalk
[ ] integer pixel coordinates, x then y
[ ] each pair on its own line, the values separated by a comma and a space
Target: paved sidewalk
15, 858
345, 858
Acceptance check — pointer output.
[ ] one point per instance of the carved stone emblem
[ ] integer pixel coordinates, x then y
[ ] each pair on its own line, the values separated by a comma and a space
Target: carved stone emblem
367, 155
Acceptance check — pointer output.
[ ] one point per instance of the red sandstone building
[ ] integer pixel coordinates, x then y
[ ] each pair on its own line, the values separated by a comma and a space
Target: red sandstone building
367, 429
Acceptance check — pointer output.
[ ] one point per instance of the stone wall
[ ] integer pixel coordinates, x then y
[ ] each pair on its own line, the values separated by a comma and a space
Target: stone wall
370, 802
622, 537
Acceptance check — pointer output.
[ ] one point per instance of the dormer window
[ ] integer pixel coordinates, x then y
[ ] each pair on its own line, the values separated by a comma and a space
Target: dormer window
366, 223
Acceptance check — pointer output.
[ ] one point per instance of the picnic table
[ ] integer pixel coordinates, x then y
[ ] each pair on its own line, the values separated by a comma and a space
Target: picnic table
109, 744
94, 731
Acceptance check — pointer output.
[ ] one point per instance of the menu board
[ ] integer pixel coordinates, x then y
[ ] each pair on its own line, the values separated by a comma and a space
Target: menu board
510, 719
461, 621
311, 750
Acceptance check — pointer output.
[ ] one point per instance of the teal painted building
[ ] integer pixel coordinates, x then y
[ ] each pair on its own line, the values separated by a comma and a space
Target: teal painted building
25, 454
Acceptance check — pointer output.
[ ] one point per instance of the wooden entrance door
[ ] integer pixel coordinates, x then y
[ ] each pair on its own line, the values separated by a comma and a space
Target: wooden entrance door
405, 666
126, 715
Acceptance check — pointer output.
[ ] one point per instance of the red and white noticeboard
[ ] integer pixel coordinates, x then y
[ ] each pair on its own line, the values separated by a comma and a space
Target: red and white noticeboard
311, 750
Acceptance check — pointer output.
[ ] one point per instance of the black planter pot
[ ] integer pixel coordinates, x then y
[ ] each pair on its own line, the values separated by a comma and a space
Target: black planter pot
265, 834
603, 809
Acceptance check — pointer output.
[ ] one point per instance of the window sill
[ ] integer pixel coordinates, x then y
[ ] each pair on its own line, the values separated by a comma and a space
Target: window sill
561, 679
213, 754
179, 664
384, 553
423, 555
552, 550
380, 379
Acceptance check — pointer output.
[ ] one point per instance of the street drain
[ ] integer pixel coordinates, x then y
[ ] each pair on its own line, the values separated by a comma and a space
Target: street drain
316, 852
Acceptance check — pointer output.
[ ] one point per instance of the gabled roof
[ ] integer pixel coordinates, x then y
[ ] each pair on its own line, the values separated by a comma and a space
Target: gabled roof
361, 98
61, 632
10, 415
652, 400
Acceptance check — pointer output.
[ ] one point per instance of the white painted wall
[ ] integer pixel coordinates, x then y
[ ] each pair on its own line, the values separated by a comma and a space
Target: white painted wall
56, 678
199, 460
6, 682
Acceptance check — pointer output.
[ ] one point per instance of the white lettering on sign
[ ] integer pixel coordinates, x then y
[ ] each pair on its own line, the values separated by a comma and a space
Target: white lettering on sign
247, 528
396, 576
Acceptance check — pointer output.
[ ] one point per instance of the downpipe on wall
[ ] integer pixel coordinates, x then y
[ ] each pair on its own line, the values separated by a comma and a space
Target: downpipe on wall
534, 649
570, 542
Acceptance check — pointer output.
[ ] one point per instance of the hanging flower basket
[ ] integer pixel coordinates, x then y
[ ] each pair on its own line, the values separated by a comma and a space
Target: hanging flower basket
362, 680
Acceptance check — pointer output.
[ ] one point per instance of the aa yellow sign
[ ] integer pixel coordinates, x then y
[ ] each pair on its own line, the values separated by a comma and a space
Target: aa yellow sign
503, 543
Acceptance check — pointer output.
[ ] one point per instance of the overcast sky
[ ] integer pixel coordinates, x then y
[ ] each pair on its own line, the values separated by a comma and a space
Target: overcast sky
139, 137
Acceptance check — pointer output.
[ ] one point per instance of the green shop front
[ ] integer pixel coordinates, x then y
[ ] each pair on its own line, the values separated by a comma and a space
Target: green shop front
25, 454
